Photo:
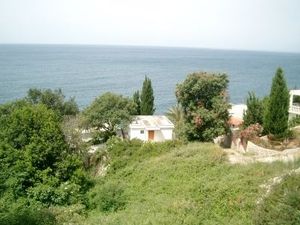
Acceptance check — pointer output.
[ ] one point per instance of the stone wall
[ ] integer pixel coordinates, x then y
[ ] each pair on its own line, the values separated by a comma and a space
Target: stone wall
267, 155
259, 154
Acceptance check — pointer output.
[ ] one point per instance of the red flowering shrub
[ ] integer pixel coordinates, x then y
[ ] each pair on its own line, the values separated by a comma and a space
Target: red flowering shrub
251, 132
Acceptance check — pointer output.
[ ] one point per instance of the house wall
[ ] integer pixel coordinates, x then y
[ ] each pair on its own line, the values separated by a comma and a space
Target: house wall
136, 133
159, 135
163, 135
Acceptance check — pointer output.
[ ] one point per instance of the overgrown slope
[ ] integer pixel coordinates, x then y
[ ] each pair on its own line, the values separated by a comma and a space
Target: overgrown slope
177, 184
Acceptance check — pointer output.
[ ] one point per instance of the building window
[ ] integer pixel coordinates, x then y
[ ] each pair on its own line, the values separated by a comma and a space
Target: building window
142, 131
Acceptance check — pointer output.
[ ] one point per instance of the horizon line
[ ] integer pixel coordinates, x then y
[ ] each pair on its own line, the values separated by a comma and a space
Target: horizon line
157, 46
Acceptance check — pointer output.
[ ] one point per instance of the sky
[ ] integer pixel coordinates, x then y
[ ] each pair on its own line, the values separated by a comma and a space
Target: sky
271, 25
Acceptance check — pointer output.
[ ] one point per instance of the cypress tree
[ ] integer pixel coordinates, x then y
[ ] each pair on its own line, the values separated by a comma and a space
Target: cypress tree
137, 101
276, 116
147, 98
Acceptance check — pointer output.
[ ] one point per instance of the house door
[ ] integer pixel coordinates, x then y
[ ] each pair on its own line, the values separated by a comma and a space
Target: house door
151, 135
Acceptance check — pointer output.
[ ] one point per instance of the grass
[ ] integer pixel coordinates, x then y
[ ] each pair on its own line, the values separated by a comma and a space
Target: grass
177, 184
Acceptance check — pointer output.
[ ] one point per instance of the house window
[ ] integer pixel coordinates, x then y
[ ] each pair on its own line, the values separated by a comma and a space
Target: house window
142, 131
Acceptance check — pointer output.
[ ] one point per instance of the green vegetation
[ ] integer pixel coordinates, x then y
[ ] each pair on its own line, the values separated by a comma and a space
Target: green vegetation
137, 100
276, 115
147, 98
172, 183
282, 206
204, 101
255, 111
109, 112
37, 168
176, 115
54, 100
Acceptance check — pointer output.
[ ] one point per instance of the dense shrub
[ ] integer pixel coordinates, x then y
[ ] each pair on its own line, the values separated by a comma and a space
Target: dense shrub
35, 161
108, 197
20, 214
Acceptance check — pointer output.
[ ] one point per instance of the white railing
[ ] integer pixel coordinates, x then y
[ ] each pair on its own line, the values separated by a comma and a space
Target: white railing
294, 109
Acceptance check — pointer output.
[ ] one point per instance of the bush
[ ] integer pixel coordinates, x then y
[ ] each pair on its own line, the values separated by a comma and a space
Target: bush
109, 197
19, 214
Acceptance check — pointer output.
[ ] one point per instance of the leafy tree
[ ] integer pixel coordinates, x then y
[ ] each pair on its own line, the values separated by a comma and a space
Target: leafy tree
109, 112
254, 112
35, 161
204, 102
147, 98
54, 100
276, 115
137, 101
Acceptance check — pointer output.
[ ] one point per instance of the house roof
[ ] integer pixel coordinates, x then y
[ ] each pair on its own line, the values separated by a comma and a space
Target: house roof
151, 122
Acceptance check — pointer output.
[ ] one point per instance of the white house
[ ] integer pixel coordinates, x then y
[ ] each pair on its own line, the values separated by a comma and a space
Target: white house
151, 128
294, 109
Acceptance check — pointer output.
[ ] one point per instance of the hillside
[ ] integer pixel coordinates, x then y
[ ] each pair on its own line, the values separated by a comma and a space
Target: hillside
172, 183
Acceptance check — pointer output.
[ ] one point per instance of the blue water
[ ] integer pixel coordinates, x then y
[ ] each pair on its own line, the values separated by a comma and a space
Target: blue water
88, 71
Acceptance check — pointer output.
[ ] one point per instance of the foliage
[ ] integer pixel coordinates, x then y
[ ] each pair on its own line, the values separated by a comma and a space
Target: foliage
147, 98
35, 161
101, 137
109, 112
204, 102
254, 112
296, 99
54, 100
108, 197
276, 115
176, 115
71, 127
19, 214
251, 132
282, 206
294, 121
137, 100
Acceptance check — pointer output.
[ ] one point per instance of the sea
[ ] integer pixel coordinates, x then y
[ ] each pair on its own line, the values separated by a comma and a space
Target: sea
87, 71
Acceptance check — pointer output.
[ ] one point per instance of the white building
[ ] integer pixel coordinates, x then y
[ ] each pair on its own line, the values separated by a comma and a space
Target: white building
294, 109
151, 128
236, 114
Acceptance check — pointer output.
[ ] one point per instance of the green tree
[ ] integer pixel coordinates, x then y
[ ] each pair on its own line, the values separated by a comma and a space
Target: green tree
35, 161
276, 115
54, 100
147, 98
204, 101
109, 112
254, 112
137, 101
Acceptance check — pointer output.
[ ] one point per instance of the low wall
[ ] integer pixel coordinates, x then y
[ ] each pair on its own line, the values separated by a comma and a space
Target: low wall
268, 155
260, 154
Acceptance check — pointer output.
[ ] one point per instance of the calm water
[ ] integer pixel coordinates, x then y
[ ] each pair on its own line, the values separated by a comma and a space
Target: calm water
88, 71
